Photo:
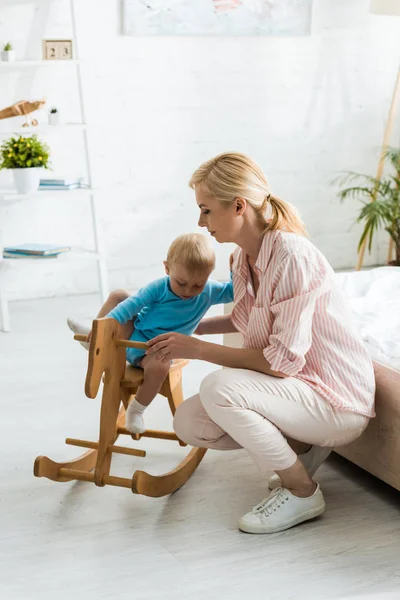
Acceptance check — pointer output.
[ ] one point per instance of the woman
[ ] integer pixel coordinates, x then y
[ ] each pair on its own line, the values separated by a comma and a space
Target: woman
303, 381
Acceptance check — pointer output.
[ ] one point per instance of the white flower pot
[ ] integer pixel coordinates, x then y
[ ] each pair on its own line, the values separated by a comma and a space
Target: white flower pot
8, 55
27, 180
54, 118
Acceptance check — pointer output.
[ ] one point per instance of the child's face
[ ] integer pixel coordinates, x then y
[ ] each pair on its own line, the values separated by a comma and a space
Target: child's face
185, 284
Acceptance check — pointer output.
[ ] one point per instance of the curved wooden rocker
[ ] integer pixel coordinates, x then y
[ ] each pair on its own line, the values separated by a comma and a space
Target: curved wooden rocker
107, 361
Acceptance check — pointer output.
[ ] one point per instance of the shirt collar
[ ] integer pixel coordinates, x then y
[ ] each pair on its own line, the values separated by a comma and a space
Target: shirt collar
263, 258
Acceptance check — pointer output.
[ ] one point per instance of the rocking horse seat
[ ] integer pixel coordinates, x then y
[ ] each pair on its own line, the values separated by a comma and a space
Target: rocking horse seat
134, 376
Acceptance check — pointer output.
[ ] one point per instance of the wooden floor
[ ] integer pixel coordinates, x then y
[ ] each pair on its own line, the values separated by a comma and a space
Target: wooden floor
73, 541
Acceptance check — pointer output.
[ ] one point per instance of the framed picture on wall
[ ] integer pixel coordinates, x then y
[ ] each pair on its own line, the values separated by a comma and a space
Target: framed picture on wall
217, 17
57, 50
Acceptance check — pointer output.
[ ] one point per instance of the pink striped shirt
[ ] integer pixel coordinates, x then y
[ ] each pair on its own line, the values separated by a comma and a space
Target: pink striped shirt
300, 319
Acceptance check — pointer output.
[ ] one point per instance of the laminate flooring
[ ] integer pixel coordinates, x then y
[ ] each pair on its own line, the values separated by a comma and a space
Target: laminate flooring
73, 540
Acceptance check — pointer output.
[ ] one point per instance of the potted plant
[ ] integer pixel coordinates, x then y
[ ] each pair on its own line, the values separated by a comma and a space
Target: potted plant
380, 201
54, 116
27, 157
8, 54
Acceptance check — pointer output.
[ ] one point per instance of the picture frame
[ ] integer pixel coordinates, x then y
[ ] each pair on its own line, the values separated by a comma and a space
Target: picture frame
57, 50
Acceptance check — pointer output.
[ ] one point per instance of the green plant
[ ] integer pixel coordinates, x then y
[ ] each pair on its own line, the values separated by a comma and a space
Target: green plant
380, 201
24, 152
54, 110
7, 47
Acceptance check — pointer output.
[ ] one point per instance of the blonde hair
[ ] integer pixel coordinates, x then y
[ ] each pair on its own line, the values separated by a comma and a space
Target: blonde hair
193, 251
233, 175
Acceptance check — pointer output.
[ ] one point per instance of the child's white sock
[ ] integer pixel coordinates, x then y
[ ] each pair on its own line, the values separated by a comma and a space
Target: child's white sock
134, 417
79, 328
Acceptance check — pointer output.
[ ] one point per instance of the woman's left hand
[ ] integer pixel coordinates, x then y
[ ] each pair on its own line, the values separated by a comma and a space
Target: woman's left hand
168, 346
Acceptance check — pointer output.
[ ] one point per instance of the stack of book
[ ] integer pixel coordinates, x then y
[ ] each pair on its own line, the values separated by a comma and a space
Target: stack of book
34, 251
61, 183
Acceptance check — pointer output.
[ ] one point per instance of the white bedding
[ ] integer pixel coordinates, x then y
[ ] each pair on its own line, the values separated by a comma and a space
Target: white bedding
374, 298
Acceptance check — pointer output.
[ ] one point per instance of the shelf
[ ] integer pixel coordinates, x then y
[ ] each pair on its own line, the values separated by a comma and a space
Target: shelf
73, 254
16, 64
8, 197
43, 128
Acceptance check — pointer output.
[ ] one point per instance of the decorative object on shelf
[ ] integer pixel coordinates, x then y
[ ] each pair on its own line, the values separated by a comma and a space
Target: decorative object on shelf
381, 202
57, 50
217, 17
8, 53
27, 157
34, 251
54, 116
61, 183
23, 108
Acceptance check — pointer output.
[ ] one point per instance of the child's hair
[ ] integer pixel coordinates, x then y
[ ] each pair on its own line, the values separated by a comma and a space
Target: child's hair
234, 175
193, 251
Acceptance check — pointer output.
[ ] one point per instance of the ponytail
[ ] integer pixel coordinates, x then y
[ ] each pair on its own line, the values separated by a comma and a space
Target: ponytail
284, 216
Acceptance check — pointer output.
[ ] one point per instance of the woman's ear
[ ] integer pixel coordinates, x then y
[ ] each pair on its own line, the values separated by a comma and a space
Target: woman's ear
166, 267
240, 205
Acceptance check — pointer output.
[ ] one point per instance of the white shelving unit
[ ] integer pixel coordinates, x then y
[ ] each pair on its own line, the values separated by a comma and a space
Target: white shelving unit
42, 128
37, 63
8, 198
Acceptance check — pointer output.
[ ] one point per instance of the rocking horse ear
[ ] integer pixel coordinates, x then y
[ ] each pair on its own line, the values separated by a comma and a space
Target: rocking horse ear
104, 333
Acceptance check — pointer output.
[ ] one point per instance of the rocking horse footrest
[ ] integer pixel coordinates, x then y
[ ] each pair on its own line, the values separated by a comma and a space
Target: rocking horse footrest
152, 433
112, 448
86, 476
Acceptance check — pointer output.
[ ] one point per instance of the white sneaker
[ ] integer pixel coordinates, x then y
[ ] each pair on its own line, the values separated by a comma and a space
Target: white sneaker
312, 460
134, 421
281, 510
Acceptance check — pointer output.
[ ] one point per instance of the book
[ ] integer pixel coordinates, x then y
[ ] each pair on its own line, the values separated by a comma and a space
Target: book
71, 186
36, 249
61, 181
29, 256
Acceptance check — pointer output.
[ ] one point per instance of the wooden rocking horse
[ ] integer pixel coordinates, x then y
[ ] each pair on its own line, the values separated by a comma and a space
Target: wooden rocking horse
107, 360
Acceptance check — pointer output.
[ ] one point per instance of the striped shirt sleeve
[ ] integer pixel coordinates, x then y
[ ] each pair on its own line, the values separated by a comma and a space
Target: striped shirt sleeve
299, 286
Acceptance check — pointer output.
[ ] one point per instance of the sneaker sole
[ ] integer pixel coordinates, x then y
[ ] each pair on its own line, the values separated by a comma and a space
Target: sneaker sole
307, 516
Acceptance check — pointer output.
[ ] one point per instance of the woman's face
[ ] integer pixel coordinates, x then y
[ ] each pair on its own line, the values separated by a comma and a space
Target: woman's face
220, 218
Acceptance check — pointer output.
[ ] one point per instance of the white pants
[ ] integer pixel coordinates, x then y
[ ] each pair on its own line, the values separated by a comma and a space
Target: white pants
237, 408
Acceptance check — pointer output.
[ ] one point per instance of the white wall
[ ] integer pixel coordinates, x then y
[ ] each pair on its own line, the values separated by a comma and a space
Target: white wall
305, 108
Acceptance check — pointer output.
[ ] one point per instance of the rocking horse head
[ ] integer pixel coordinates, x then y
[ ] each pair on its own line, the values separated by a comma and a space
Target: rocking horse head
102, 353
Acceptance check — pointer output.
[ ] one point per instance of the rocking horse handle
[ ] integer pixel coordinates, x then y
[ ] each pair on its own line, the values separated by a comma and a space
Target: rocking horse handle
125, 343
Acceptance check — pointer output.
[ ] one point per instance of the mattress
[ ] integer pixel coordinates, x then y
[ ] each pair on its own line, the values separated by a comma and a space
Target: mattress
374, 299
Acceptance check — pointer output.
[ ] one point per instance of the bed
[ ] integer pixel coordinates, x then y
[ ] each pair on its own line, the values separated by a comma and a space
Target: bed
374, 298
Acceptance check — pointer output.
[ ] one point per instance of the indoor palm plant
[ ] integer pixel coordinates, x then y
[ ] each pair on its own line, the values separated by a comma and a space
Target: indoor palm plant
26, 156
380, 201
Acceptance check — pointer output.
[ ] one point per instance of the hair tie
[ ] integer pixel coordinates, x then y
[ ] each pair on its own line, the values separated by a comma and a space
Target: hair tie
264, 204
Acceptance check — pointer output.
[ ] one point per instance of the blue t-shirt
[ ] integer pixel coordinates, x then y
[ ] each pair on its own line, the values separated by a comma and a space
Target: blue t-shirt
158, 310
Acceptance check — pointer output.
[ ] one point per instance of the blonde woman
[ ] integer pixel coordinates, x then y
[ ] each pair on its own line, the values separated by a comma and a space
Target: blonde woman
303, 381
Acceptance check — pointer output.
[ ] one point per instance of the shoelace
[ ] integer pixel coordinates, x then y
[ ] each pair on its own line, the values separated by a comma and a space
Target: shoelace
270, 504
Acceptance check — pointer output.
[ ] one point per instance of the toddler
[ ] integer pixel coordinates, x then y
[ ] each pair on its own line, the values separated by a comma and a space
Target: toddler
176, 302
